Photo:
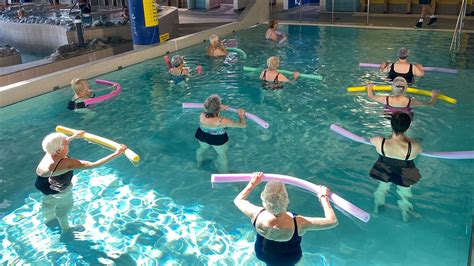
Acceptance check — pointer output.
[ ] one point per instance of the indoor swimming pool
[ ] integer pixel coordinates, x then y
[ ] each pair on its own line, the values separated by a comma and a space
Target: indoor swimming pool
165, 211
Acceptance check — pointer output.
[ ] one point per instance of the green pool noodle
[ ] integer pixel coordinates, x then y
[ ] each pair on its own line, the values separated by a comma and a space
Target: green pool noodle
308, 76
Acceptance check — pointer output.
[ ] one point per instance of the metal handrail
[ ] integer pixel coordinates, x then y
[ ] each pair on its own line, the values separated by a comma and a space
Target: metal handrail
457, 34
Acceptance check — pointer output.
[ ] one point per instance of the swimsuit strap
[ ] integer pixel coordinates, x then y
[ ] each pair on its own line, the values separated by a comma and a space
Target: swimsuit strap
409, 151
276, 78
383, 142
255, 221
296, 225
411, 69
409, 102
55, 167
386, 100
181, 73
392, 67
264, 74
219, 122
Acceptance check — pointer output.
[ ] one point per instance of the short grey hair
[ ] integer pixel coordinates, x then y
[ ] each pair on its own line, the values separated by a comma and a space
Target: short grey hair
213, 104
399, 86
275, 198
53, 142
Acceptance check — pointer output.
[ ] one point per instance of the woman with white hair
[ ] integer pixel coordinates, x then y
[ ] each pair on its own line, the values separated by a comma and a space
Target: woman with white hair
271, 78
54, 174
278, 231
82, 91
402, 68
216, 48
212, 131
397, 101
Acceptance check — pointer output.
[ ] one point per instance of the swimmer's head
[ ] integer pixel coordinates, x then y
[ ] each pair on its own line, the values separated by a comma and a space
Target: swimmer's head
273, 63
213, 104
400, 122
403, 53
54, 142
272, 24
80, 87
275, 198
399, 86
214, 39
177, 60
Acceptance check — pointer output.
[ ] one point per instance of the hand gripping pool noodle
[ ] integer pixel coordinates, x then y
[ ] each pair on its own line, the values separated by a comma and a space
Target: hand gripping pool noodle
432, 69
102, 98
308, 76
168, 61
340, 202
237, 50
250, 116
409, 90
131, 155
442, 155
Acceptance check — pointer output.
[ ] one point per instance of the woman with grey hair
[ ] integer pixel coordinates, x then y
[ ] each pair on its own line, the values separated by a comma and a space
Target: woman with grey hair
278, 231
397, 101
271, 78
54, 174
212, 131
402, 68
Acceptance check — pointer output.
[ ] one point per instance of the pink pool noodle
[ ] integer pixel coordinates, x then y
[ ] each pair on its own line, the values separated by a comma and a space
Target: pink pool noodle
199, 69
340, 202
168, 61
102, 98
250, 116
434, 154
433, 69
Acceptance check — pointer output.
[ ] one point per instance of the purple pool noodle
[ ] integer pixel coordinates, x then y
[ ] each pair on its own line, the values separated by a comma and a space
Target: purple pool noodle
433, 69
102, 98
441, 155
340, 202
250, 116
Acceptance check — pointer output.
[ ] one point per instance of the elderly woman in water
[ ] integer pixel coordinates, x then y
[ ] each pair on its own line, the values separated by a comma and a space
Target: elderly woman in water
271, 78
54, 174
212, 131
216, 48
279, 231
398, 101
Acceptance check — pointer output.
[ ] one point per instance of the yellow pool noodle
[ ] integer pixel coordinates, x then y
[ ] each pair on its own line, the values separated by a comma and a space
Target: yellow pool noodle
131, 155
409, 90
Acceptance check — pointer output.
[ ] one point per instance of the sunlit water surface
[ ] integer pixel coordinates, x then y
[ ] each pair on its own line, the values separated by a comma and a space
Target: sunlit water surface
165, 210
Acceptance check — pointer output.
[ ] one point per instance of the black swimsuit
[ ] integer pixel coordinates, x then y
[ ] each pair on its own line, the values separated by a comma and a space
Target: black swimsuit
407, 76
271, 85
400, 172
278, 253
72, 105
54, 184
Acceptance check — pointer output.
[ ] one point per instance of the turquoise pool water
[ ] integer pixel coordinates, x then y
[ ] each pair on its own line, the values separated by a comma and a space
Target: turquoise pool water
165, 211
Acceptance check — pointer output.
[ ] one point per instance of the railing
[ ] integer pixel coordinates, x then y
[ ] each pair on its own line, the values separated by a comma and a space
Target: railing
457, 35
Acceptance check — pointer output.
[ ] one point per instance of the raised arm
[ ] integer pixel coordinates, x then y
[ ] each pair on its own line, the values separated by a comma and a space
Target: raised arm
319, 223
241, 201
434, 98
230, 123
385, 67
71, 164
371, 95
418, 70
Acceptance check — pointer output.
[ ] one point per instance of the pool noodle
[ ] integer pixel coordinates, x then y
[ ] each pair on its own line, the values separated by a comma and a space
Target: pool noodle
235, 49
432, 69
441, 155
340, 202
308, 76
131, 155
107, 96
409, 90
250, 116
168, 61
